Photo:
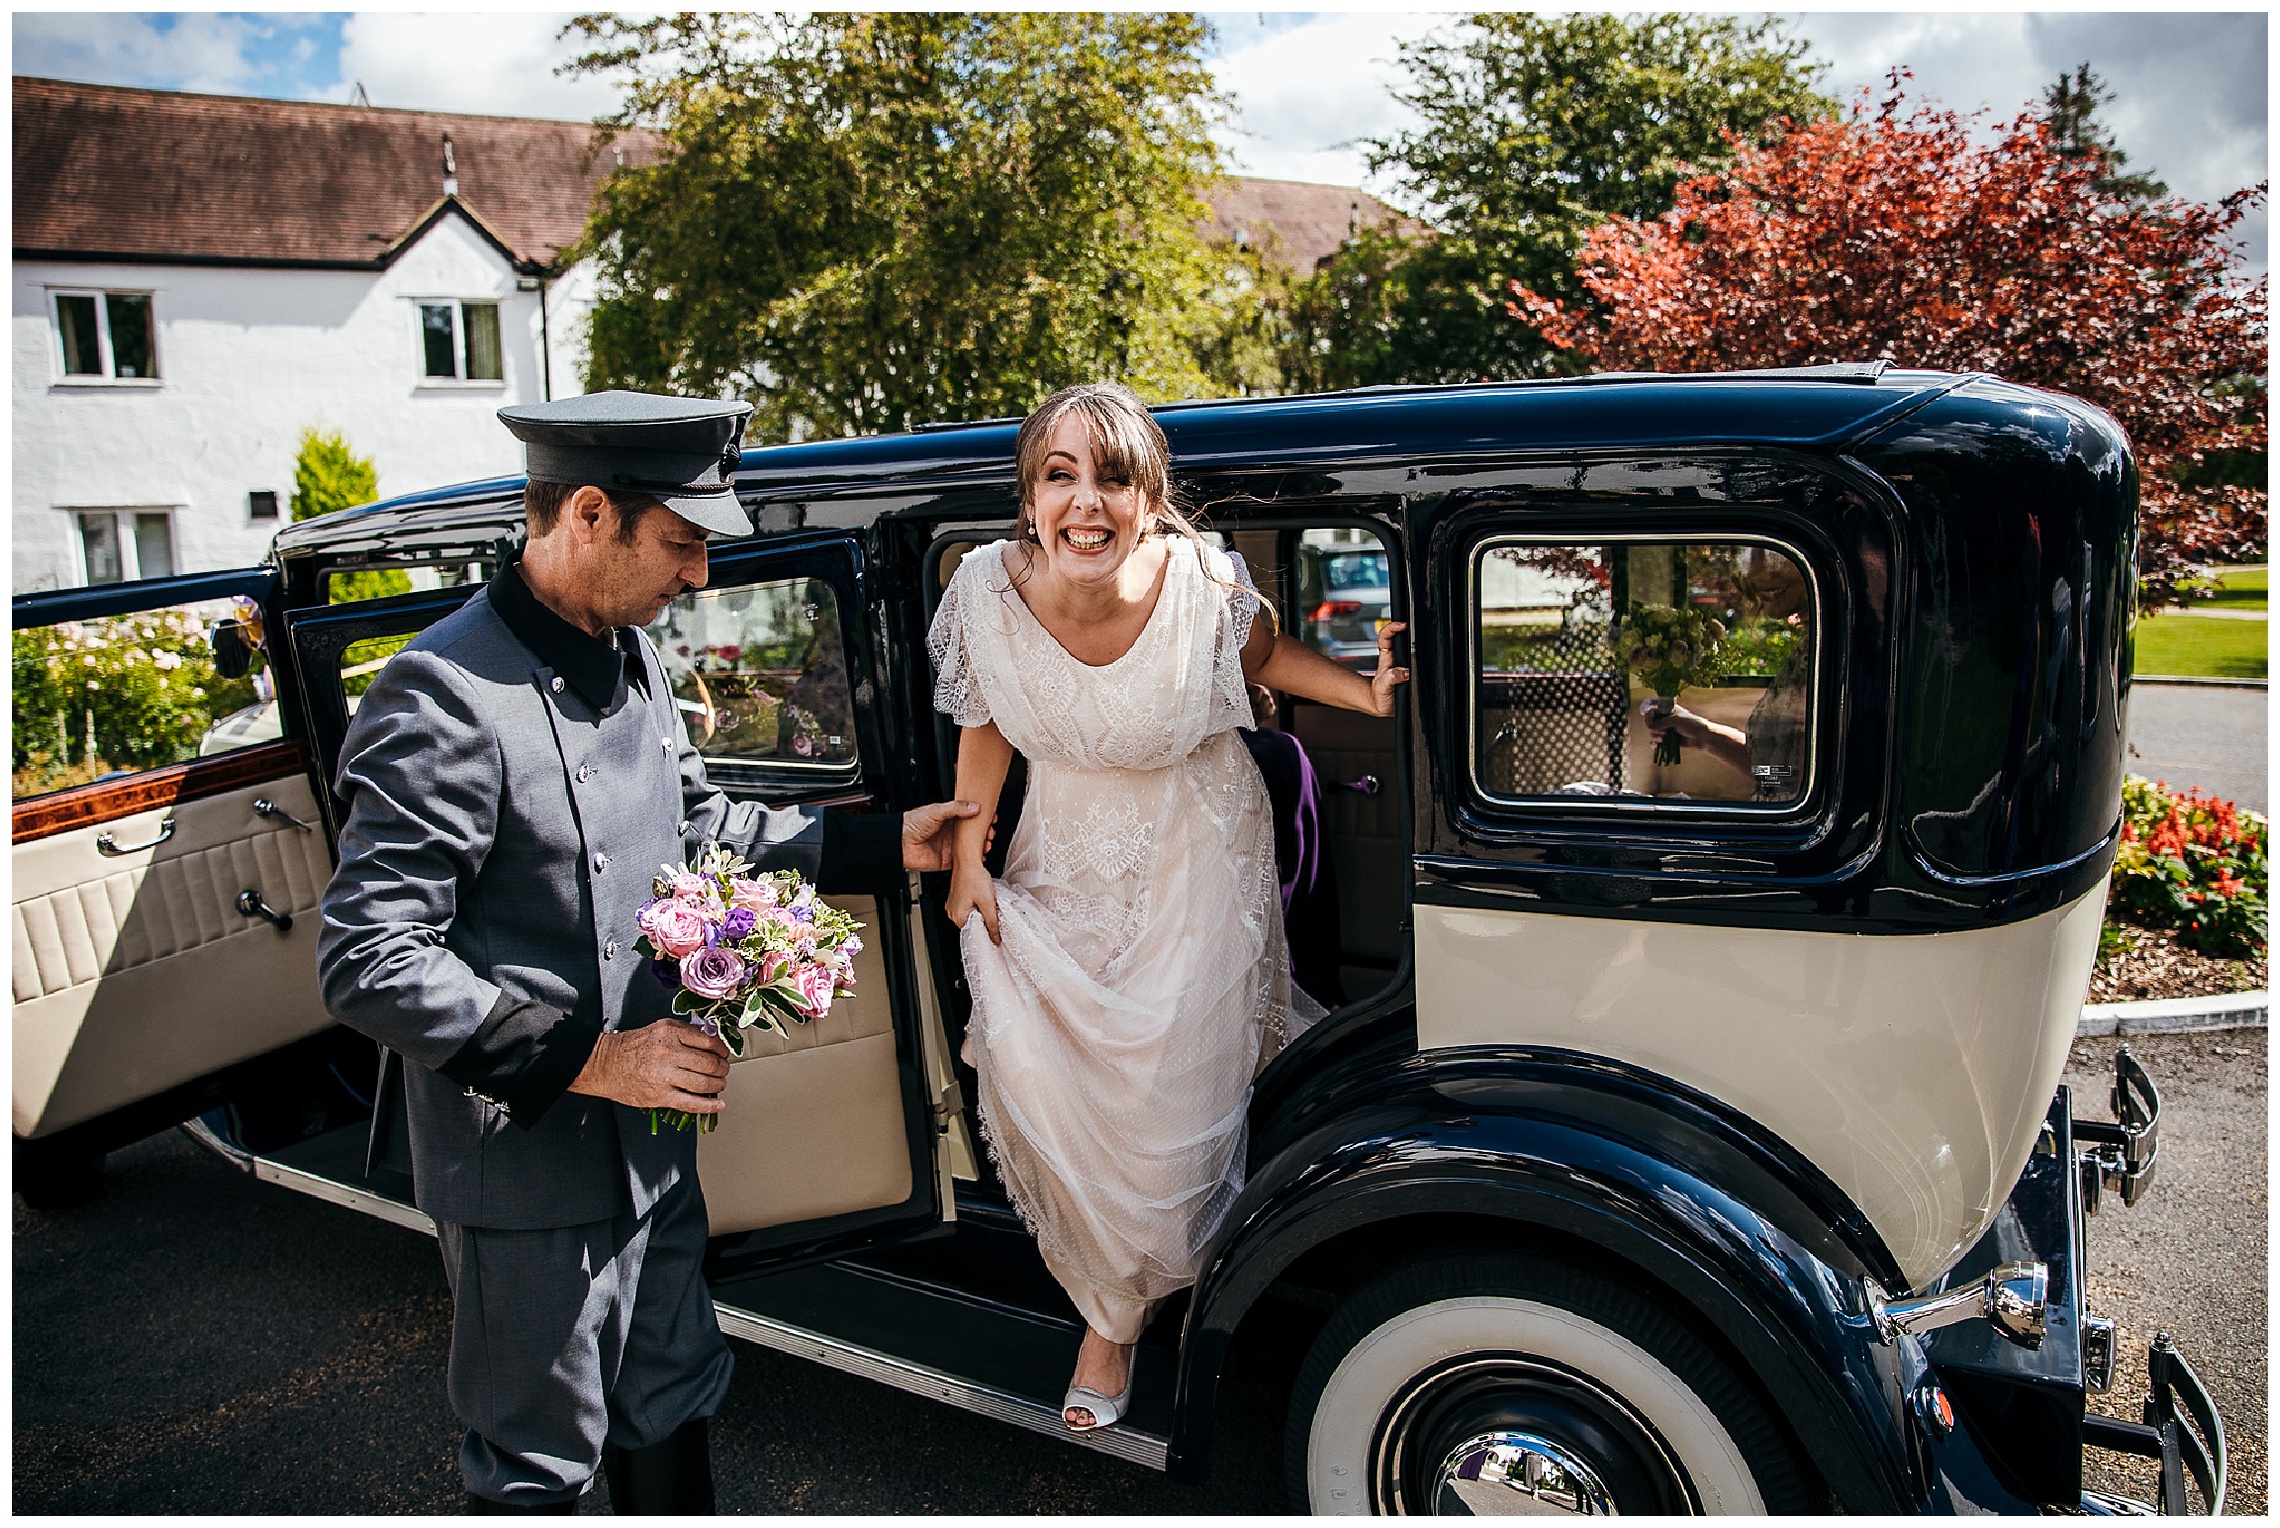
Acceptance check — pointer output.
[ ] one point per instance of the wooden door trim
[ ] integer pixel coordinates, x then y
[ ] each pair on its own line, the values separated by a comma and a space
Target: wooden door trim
107, 800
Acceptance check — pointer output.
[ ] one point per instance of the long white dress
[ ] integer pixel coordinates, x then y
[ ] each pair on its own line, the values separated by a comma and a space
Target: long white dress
1143, 979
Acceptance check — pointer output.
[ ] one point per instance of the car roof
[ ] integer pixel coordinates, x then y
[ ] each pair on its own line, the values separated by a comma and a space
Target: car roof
1806, 408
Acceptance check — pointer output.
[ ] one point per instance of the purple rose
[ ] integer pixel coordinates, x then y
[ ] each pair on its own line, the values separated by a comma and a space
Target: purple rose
712, 972
738, 925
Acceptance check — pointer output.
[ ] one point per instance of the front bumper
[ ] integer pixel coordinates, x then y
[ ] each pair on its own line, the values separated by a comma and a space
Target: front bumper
2024, 1408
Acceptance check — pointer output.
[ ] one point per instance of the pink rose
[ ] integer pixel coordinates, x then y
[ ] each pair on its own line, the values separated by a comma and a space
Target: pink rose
772, 965
674, 926
682, 883
814, 983
754, 896
712, 972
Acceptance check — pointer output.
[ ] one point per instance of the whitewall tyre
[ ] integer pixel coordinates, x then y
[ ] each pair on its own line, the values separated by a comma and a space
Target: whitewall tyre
1488, 1385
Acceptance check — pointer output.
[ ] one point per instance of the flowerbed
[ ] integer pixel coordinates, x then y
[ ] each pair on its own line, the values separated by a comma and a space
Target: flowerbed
2194, 866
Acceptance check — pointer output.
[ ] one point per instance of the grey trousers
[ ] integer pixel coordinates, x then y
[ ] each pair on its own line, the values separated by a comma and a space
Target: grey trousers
563, 1340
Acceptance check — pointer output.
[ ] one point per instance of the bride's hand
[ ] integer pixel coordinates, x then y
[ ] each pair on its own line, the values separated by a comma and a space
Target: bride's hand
972, 891
1387, 677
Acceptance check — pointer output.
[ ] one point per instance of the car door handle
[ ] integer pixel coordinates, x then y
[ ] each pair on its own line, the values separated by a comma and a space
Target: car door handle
109, 845
250, 903
264, 807
1363, 785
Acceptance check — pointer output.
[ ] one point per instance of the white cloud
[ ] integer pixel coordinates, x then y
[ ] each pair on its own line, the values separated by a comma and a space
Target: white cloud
1308, 87
200, 51
490, 62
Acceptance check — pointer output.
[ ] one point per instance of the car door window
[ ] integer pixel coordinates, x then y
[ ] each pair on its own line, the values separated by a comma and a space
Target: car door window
760, 673
112, 696
1345, 589
1646, 671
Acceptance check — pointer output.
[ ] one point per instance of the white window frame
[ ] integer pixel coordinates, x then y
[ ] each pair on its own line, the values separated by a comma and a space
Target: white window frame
64, 377
123, 528
458, 306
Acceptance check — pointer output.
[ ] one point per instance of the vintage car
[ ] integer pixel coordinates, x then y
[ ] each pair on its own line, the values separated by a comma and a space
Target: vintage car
1689, 1136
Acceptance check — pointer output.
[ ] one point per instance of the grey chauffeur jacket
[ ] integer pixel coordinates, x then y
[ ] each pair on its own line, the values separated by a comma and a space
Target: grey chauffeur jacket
503, 818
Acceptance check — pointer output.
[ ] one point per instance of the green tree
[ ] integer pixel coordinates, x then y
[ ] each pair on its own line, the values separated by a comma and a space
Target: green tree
328, 475
863, 222
2070, 111
1535, 128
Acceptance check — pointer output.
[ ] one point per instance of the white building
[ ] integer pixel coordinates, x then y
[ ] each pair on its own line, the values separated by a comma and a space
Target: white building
197, 279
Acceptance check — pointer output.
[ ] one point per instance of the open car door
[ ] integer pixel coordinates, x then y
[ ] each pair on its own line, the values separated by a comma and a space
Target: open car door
835, 1138
167, 864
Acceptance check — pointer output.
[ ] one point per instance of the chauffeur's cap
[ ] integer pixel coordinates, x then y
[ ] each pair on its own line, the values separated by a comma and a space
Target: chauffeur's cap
679, 451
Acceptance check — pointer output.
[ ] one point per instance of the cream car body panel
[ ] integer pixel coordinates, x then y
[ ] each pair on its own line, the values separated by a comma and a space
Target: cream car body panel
1913, 1070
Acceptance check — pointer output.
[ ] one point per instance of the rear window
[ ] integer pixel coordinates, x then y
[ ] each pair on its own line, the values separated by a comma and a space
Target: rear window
1643, 672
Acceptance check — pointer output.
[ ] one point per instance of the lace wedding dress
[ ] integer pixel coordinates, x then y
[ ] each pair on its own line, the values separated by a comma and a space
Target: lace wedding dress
1143, 979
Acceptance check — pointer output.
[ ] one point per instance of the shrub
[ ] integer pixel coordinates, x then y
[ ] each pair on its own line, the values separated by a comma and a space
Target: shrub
329, 475
2195, 864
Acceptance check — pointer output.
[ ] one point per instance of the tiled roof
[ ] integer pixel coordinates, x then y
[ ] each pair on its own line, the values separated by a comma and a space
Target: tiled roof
167, 177
1310, 219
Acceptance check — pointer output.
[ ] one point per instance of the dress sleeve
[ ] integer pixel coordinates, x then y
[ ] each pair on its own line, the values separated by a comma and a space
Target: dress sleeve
957, 684
1244, 600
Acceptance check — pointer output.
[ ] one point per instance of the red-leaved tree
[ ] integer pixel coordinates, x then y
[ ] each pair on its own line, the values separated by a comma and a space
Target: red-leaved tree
1891, 236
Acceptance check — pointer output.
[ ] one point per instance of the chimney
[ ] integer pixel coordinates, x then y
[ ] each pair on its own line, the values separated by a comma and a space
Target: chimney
1353, 217
450, 169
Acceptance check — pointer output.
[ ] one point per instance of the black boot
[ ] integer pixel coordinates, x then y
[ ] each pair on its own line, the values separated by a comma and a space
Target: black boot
673, 1477
483, 1506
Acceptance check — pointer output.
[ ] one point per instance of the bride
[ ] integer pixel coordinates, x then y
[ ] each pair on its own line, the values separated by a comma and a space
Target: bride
1128, 973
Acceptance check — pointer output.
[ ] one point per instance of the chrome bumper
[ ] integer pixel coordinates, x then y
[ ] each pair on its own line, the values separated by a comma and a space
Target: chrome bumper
2177, 1398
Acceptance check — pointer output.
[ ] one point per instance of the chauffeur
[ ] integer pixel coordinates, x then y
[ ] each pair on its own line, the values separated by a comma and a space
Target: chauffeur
512, 781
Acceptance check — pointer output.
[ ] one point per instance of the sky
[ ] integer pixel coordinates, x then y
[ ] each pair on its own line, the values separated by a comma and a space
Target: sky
2191, 88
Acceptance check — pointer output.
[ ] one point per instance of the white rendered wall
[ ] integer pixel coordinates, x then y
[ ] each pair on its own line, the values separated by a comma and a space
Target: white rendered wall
249, 357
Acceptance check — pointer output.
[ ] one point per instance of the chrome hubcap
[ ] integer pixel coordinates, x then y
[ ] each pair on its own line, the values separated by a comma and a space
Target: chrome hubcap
1517, 1474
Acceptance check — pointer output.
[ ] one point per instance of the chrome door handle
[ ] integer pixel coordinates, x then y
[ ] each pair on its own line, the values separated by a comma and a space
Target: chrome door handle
250, 903
264, 807
109, 845
1362, 785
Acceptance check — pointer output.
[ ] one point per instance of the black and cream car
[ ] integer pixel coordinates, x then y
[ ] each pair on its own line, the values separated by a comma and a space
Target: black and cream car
1691, 1138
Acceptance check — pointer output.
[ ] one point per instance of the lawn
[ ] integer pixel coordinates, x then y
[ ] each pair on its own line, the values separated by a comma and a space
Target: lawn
2212, 646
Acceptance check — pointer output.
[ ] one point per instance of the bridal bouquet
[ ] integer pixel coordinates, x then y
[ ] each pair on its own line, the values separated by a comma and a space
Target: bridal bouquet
1670, 649
743, 951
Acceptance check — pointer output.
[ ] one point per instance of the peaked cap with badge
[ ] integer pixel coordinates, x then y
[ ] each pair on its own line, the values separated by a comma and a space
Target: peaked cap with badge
681, 452
510, 783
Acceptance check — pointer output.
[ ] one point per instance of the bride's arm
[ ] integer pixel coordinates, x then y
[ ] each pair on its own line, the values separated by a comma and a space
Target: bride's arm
1282, 662
984, 756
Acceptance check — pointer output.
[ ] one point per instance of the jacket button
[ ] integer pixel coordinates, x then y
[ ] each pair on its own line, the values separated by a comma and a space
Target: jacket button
555, 684
684, 828
585, 773
609, 951
601, 863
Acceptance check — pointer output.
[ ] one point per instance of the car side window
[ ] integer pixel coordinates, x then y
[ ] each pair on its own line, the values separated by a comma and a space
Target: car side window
117, 695
1643, 671
759, 672
1345, 593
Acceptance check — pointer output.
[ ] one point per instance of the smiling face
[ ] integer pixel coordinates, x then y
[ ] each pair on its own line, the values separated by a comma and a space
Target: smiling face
1087, 514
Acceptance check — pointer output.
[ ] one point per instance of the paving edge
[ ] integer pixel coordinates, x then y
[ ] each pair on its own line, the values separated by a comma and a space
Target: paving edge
2210, 682
2176, 1015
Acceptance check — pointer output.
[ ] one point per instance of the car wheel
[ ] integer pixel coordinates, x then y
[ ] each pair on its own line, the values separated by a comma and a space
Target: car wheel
1470, 1385
56, 1180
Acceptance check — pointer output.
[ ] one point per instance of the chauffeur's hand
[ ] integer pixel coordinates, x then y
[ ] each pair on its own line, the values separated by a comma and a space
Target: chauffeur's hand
665, 1065
928, 839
